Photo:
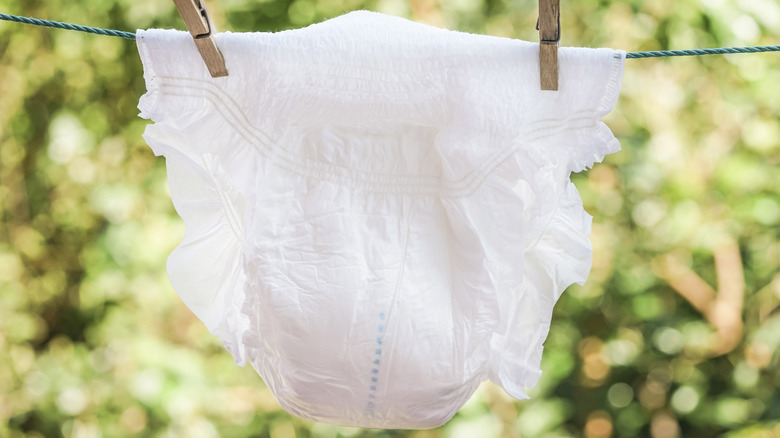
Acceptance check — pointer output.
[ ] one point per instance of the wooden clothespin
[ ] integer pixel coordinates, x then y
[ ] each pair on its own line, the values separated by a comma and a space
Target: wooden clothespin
198, 22
549, 27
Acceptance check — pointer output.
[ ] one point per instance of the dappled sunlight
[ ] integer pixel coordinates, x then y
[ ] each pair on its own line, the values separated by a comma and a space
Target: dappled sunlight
675, 334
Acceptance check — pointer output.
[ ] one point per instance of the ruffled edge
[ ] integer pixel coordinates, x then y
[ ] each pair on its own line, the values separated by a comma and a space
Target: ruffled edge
148, 101
607, 143
218, 304
560, 256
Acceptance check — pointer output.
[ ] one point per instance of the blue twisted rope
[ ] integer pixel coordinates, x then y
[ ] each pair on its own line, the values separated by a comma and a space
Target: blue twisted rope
699, 52
68, 26
630, 55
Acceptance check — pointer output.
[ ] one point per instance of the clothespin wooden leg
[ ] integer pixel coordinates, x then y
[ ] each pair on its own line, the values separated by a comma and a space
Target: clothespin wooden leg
198, 22
549, 26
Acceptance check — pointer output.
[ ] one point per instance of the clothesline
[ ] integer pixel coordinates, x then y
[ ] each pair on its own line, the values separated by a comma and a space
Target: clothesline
629, 55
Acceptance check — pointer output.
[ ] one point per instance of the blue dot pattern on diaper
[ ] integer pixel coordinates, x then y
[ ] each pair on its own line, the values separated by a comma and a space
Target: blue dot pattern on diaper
375, 368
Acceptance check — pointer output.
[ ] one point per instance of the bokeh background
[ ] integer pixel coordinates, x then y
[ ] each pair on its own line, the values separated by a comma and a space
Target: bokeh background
676, 333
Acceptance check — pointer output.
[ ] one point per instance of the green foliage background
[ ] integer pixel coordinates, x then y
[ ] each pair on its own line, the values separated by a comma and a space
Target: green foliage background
94, 342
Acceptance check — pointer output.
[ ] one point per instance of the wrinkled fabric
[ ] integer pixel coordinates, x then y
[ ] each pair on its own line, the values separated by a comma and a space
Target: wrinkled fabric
379, 213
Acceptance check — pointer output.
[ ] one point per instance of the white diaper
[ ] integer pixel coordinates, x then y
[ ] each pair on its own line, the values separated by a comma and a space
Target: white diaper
379, 213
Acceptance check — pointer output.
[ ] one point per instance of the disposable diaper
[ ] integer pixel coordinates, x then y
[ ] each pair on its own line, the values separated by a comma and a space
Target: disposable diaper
379, 213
